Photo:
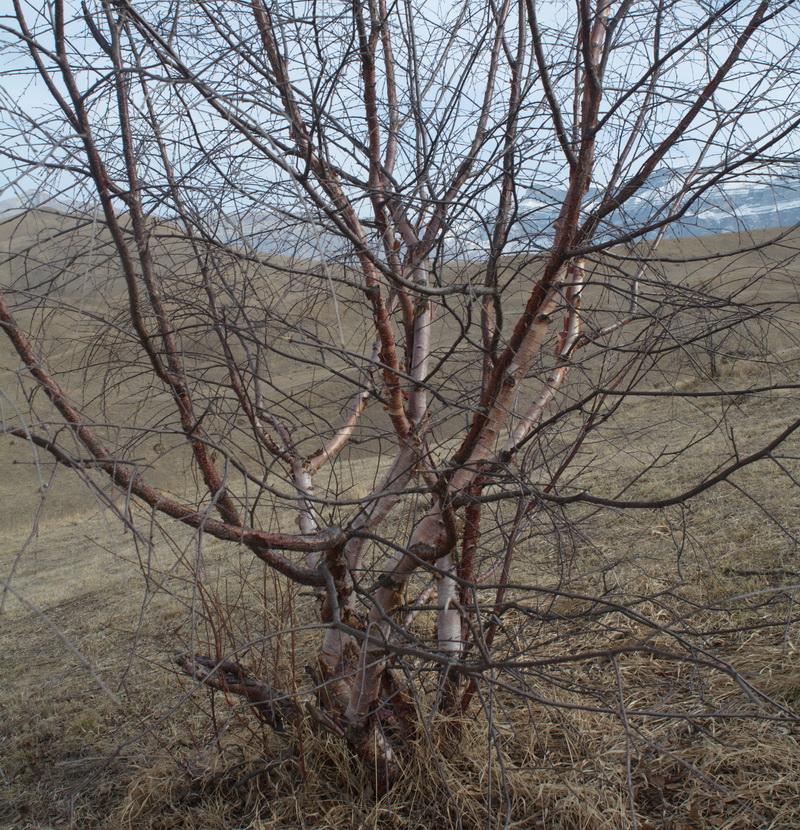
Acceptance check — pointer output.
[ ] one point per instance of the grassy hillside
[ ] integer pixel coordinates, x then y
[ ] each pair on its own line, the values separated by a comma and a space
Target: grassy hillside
156, 753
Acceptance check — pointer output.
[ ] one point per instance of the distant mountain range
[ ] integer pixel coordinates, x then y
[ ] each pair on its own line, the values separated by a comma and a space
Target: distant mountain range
749, 202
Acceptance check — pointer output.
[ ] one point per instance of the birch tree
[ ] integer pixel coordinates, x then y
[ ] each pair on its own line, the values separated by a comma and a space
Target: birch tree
416, 240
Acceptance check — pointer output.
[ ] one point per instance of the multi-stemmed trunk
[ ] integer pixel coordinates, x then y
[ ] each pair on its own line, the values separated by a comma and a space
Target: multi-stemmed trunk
376, 189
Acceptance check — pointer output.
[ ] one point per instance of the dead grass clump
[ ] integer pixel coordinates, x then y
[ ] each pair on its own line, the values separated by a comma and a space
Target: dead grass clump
584, 744
583, 747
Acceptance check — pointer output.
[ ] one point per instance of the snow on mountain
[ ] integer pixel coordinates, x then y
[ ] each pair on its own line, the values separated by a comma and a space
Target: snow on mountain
749, 202
752, 201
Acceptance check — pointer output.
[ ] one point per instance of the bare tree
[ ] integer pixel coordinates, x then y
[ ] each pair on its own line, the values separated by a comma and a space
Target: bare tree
415, 245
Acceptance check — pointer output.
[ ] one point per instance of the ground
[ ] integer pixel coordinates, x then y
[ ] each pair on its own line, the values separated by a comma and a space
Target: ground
99, 730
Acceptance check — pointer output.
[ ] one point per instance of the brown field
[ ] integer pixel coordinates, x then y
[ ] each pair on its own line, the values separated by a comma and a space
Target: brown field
97, 730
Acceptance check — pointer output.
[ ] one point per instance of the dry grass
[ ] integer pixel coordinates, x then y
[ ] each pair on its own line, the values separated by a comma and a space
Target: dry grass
163, 760
583, 745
